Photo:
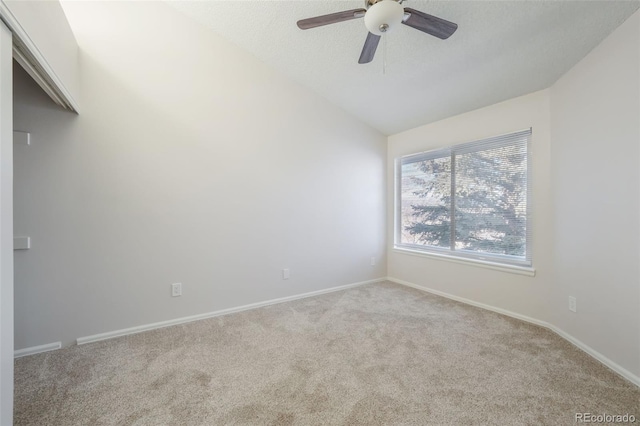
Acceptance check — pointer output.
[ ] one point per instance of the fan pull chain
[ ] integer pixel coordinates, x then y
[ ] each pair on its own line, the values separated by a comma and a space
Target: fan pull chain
384, 53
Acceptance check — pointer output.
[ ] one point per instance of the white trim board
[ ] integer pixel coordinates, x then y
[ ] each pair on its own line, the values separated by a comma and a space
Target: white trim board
37, 349
35, 64
183, 320
626, 374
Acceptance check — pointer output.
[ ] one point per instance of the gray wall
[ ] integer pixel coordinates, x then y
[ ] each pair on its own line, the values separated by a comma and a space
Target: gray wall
191, 162
595, 127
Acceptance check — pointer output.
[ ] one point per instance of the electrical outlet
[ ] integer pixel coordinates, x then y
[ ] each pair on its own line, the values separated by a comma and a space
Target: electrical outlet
373, 261
572, 304
176, 289
285, 274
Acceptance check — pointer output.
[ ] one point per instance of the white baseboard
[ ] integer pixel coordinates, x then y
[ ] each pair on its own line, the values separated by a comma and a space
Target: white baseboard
471, 302
597, 355
183, 320
37, 349
626, 374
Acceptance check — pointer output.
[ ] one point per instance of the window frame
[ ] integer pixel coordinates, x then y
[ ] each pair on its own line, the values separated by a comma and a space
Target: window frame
492, 260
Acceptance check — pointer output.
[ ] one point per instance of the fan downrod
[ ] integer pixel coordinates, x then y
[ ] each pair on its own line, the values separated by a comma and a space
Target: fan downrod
369, 3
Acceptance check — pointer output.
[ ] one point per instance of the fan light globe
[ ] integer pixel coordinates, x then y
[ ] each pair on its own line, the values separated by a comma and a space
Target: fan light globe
383, 16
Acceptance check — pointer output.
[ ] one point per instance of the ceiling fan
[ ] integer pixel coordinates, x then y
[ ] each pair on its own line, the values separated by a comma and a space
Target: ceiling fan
381, 16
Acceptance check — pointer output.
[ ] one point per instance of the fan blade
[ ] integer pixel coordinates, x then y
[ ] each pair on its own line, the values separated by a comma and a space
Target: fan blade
332, 18
429, 24
369, 49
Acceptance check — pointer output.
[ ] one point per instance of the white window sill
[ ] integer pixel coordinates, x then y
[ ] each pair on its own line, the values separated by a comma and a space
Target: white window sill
513, 269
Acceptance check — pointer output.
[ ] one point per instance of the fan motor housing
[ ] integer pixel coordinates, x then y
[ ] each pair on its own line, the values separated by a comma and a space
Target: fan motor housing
383, 16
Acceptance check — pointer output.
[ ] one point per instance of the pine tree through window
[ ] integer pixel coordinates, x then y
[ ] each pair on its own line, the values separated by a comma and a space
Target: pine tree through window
469, 200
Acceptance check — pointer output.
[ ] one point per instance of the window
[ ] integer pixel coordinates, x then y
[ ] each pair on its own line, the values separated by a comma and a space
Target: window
469, 200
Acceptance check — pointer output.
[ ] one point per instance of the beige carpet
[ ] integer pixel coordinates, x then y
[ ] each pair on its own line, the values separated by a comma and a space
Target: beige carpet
380, 354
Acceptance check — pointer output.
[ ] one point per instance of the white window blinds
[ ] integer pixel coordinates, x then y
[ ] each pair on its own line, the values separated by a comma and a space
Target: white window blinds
469, 200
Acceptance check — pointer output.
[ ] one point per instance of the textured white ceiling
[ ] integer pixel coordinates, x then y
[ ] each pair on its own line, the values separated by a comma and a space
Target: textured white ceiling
502, 49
